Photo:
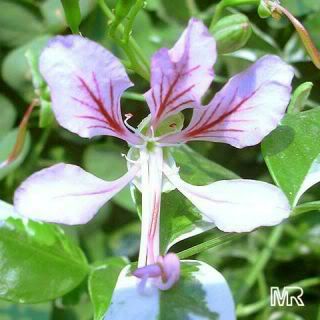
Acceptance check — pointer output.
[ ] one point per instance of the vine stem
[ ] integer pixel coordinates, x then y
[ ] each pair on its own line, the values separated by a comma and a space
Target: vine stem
207, 245
245, 311
140, 63
261, 261
228, 3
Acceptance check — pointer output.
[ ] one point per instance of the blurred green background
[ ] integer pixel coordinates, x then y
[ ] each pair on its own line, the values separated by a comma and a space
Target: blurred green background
292, 254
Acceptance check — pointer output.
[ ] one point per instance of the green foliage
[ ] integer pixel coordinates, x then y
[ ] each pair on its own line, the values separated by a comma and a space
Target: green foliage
39, 263
72, 13
8, 115
18, 25
300, 97
16, 70
102, 280
292, 151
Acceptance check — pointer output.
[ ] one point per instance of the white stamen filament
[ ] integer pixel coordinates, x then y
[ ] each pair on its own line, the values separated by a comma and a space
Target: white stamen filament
151, 187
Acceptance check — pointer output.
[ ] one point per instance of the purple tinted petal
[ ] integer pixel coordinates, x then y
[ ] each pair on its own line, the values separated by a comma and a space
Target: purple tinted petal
247, 109
235, 205
171, 268
150, 271
66, 194
181, 76
86, 82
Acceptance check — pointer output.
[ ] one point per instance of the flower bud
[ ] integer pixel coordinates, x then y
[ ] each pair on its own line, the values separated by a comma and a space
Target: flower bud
264, 10
232, 33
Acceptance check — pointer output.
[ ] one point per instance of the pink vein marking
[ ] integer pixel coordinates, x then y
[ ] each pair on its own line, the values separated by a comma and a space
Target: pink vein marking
190, 70
84, 103
91, 118
87, 193
179, 95
98, 127
225, 130
207, 125
166, 101
98, 101
216, 137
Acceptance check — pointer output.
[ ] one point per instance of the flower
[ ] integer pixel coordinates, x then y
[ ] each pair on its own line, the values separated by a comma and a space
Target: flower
86, 83
165, 272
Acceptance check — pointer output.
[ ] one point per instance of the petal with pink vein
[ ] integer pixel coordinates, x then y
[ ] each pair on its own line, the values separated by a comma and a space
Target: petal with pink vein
181, 76
86, 82
66, 194
247, 108
235, 205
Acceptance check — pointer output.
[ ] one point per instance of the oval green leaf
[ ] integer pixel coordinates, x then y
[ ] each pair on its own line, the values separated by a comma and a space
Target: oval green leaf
38, 261
292, 153
102, 281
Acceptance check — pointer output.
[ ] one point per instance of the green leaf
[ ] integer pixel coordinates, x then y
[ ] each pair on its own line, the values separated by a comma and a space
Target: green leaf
72, 13
300, 97
38, 262
102, 280
7, 144
196, 169
125, 240
292, 153
179, 219
41, 89
106, 162
16, 71
10, 311
175, 10
301, 7
54, 17
201, 293
312, 24
8, 115
18, 25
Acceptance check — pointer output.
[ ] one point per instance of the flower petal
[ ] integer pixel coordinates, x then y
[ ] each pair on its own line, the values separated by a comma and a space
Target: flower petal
235, 205
171, 268
6, 211
247, 109
181, 76
66, 194
86, 82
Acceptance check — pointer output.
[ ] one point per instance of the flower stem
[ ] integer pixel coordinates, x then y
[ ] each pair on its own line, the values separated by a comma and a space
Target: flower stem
133, 96
303, 34
131, 17
306, 207
192, 7
208, 245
